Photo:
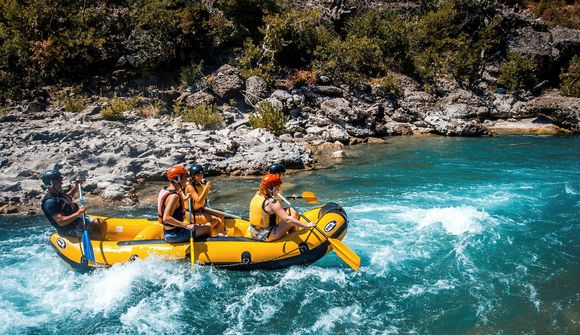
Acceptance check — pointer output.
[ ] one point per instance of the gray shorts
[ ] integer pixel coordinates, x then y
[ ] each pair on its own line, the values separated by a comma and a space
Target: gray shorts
77, 228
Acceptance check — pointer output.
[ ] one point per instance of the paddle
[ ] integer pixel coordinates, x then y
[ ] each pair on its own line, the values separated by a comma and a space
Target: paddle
344, 252
191, 245
309, 197
86, 241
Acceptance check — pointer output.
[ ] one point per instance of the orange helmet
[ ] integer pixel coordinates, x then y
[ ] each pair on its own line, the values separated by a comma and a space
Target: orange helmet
271, 180
175, 171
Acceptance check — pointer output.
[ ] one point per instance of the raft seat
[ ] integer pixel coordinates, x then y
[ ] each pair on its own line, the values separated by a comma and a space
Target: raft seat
151, 232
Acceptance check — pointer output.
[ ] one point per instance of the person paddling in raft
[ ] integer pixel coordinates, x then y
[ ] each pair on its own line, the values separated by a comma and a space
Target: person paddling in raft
198, 190
62, 213
171, 209
268, 220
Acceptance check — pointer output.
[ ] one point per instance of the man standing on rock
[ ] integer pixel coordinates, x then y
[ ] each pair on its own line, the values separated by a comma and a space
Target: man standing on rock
62, 213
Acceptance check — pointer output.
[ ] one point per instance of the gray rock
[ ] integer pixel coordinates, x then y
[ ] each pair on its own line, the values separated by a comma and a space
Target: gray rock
567, 41
336, 133
196, 99
227, 82
562, 110
256, 88
332, 91
339, 110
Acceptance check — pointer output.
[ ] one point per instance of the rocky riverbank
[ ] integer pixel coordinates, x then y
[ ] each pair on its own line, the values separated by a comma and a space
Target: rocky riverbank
122, 156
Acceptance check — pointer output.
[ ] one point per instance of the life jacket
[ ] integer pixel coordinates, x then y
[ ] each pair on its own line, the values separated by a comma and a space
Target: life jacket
178, 214
258, 215
198, 189
67, 207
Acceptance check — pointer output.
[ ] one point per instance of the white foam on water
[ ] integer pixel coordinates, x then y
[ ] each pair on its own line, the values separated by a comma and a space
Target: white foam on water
12, 320
366, 208
569, 189
258, 304
327, 322
155, 315
533, 296
337, 276
454, 220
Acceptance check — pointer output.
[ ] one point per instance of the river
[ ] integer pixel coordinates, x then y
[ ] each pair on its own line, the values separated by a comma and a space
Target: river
456, 235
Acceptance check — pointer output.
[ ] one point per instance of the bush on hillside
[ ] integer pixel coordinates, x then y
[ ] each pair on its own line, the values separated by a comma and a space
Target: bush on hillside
204, 116
451, 40
253, 63
71, 103
269, 117
191, 75
518, 73
115, 108
571, 80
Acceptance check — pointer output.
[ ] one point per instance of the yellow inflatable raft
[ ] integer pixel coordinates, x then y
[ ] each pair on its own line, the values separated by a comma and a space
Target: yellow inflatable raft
130, 239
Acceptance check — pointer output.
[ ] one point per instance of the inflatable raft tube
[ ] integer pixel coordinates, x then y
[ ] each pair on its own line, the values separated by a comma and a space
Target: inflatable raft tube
128, 239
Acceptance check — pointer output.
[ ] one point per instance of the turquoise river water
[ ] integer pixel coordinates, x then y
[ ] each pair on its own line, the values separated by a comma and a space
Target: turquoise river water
456, 236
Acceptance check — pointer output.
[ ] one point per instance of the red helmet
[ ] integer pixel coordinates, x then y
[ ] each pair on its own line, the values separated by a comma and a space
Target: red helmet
175, 171
271, 180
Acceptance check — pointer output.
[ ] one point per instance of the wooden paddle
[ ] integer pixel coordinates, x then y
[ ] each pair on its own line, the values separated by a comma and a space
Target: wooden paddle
344, 252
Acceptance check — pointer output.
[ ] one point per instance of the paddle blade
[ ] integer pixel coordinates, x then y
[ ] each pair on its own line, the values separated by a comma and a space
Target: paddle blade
345, 253
88, 247
309, 197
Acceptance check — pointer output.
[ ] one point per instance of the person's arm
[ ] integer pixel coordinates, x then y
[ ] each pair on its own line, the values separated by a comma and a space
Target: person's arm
204, 193
281, 213
73, 191
63, 220
173, 202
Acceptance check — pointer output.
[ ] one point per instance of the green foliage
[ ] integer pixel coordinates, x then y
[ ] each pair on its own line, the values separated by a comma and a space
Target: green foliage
205, 116
518, 73
451, 40
70, 103
571, 80
389, 86
269, 117
191, 75
254, 64
559, 12
291, 37
116, 107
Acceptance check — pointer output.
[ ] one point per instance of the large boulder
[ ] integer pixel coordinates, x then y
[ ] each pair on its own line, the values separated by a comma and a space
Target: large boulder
567, 41
455, 127
196, 99
256, 89
227, 83
462, 104
562, 110
340, 110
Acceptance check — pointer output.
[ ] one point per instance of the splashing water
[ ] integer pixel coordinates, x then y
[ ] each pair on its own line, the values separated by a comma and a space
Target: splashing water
455, 235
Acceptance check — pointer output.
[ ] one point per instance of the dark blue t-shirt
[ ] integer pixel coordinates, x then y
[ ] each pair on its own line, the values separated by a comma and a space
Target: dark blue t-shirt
60, 203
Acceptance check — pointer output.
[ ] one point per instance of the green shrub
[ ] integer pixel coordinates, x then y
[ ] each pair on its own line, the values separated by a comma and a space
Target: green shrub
204, 116
451, 40
153, 109
571, 80
518, 73
116, 107
191, 74
559, 12
253, 63
71, 103
291, 38
389, 86
269, 117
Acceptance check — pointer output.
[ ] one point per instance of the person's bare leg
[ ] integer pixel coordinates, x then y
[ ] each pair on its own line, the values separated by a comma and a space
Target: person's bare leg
279, 231
202, 230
